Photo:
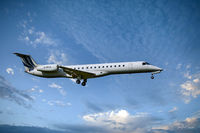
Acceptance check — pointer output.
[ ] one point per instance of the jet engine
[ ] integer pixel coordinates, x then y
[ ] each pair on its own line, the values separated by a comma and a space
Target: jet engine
48, 68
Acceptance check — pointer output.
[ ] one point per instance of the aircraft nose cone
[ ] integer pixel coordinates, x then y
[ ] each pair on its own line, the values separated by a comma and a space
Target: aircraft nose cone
158, 69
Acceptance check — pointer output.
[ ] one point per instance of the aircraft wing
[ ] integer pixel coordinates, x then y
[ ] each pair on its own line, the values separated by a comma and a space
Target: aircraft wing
77, 73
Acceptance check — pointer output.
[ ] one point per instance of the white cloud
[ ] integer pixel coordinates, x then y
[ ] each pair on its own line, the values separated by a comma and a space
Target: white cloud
10, 71
27, 38
59, 88
41, 91
190, 88
119, 117
120, 120
32, 89
173, 109
57, 57
196, 80
42, 38
58, 103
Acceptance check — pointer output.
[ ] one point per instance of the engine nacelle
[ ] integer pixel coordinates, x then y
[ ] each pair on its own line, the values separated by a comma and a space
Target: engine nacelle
48, 68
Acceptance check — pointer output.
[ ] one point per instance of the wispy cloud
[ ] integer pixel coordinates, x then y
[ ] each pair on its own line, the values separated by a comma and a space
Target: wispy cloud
10, 93
188, 66
10, 71
173, 109
58, 103
59, 88
53, 85
35, 37
190, 124
178, 66
35, 89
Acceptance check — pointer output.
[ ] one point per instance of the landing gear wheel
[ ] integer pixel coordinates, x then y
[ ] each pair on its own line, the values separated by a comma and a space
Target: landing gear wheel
152, 77
78, 81
83, 83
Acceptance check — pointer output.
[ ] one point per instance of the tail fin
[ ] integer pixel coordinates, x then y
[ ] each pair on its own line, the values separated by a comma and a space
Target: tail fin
28, 61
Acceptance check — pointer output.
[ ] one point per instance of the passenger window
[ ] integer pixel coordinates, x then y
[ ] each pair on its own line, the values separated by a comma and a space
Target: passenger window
86, 67
102, 66
107, 66
114, 65
99, 66
91, 67
82, 67
95, 67
110, 66
119, 65
123, 65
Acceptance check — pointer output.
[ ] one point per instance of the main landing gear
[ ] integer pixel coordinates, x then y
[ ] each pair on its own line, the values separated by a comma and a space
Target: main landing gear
78, 81
152, 77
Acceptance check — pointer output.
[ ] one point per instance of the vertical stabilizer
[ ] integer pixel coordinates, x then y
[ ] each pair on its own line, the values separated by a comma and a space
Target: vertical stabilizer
28, 61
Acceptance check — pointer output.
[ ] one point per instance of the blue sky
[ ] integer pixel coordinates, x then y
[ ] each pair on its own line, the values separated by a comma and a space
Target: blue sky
164, 33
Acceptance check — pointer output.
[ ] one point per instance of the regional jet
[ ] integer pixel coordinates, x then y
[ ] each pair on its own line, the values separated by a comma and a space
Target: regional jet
83, 72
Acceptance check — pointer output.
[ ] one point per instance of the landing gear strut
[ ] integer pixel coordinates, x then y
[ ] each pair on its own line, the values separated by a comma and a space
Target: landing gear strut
84, 82
152, 77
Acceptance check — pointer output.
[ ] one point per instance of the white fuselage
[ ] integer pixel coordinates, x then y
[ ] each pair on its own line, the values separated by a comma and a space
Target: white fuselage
84, 72
100, 69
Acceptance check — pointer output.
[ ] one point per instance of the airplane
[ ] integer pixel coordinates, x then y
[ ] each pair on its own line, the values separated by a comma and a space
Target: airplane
84, 72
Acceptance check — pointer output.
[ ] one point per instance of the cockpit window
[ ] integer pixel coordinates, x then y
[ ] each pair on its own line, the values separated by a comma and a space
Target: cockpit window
145, 63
